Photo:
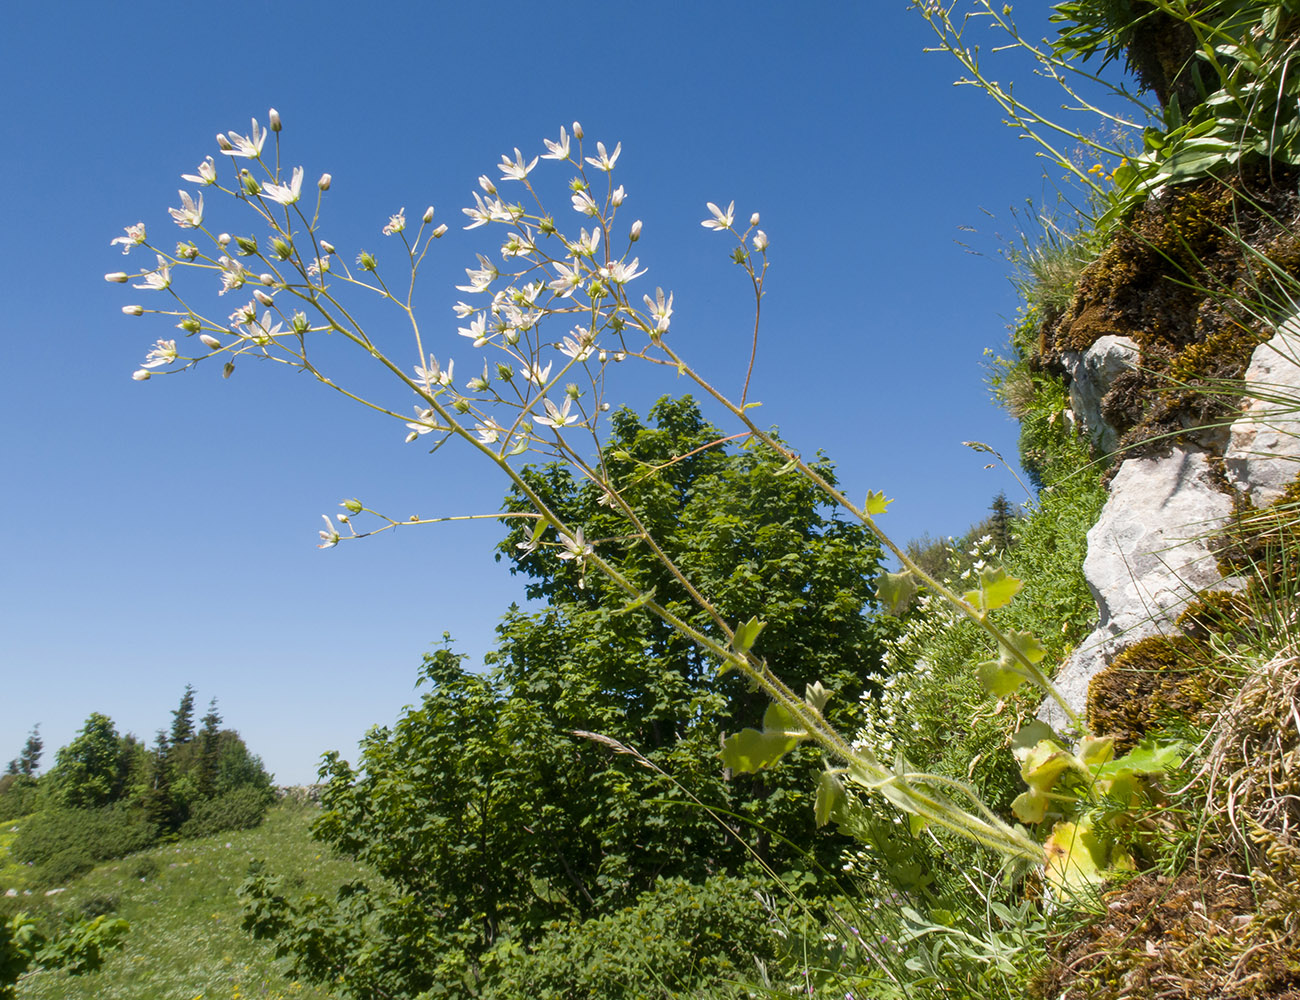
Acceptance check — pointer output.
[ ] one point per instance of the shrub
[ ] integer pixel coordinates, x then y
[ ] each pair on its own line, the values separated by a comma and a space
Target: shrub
240, 809
63, 867
101, 834
676, 939
19, 795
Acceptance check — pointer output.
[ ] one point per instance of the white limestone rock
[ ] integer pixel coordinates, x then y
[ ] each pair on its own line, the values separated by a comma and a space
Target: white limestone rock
1263, 455
1092, 373
1148, 556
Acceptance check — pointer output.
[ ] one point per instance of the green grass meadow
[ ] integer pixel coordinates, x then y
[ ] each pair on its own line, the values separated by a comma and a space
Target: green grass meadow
185, 941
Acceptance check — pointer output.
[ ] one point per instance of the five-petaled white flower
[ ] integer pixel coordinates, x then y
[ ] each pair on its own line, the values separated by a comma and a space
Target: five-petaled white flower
579, 349
605, 161
163, 353
159, 279
481, 278
721, 220
207, 173
516, 170
584, 203
328, 537
233, 274
557, 150
250, 146
396, 223
558, 416
660, 311
567, 279
760, 241
261, 332
434, 374
586, 245
621, 273
285, 194
133, 238
477, 330
489, 432
575, 547
425, 421
189, 215
536, 375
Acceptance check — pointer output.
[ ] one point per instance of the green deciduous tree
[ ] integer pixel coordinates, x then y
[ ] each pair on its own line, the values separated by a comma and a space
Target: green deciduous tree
486, 809
88, 771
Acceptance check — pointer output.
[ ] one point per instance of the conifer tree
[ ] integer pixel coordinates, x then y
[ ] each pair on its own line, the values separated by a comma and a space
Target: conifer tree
183, 718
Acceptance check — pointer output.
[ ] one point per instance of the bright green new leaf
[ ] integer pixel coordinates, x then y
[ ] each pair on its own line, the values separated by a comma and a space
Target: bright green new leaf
1028, 736
876, 503
831, 798
750, 750
1148, 757
1040, 768
1076, 858
816, 695
998, 678
1093, 750
777, 719
896, 591
1006, 673
996, 590
746, 634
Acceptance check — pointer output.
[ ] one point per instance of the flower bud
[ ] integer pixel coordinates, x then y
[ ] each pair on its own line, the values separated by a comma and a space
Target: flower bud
224, 240
753, 219
324, 182
186, 251
462, 405
273, 120
141, 375
344, 519
190, 324
604, 407
120, 277
476, 384
250, 183
210, 341
327, 246
635, 234
485, 182
299, 322
440, 231
616, 199
352, 506
263, 298
133, 310
577, 130
366, 260
228, 369
505, 373
247, 245
760, 241
428, 215
223, 142
282, 248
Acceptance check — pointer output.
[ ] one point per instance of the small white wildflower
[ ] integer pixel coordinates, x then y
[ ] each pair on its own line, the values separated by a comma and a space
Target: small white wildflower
159, 279
604, 161
760, 241
425, 421
721, 220
489, 432
285, 194
567, 279
618, 196
163, 353
557, 150
660, 311
575, 547
329, 537
515, 170
396, 223
207, 173
558, 416
190, 214
133, 238
621, 273
583, 203
433, 374
536, 375
477, 330
250, 146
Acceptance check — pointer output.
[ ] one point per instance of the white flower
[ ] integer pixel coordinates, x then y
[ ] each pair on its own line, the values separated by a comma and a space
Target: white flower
163, 353
328, 537
434, 374
558, 416
244, 314
159, 279
616, 199
517, 170
579, 349
557, 150
396, 223
621, 273
586, 245
518, 245
133, 238
207, 173
462, 309
605, 161
233, 274
481, 278
189, 215
760, 241
489, 432
261, 332
425, 421
660, 311
318, 266
250, 147
477, 330
575, 547
721, 219
537, 376
583, 202
567, 279
285, 194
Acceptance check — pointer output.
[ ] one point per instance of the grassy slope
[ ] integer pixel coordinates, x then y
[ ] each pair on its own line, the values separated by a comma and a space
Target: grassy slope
185, 942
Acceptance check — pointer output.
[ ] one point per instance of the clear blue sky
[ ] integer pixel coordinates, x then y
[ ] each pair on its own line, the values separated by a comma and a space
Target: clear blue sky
163, 533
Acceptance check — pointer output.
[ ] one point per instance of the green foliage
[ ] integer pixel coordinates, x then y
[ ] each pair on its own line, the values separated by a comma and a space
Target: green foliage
97, 834
79, 948
29, 760
89, 771
239, 809
19, 795
677, 938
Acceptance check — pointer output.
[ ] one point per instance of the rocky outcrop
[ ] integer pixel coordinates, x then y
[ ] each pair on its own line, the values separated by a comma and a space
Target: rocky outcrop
1092, 374
1263, 455
1148, 556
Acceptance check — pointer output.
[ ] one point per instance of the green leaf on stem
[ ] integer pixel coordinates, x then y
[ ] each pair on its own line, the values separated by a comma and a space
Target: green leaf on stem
1002, 676
995, 591
896, 591
816, 695
751, 750
876, 503
831, 798
745, 635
